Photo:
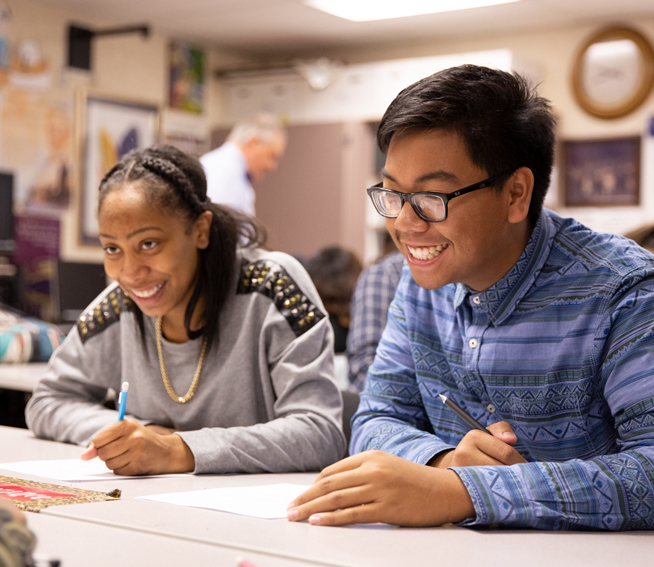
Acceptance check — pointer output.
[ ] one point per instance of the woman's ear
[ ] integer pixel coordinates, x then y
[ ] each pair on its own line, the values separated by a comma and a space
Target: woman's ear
521, 186
202, 229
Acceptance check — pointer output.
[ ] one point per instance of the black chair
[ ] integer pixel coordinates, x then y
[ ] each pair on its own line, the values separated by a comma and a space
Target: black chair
350, 405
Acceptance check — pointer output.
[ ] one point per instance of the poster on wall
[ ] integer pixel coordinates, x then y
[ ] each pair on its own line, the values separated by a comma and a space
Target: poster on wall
37, 146
601, 172
187, 132
186, 77
112, 128
37, 249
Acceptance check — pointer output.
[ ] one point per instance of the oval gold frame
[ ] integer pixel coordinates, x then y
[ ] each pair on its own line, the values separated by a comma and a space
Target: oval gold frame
646, 83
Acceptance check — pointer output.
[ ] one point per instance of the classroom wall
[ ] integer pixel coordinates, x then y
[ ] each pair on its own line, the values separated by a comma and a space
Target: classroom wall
547, 56
137, 68
549, 53
128, 66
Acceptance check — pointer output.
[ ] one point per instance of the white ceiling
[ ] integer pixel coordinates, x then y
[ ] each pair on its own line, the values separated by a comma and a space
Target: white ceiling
287, 28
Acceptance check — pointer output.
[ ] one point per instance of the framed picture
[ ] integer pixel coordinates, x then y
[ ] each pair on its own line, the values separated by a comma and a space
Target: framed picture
601, 173
186, 77
110, 128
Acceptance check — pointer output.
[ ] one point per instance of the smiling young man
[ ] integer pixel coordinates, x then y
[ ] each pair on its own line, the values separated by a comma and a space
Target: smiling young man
538, 327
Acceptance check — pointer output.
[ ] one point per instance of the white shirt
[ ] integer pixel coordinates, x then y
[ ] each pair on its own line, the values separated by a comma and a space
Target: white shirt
227, 178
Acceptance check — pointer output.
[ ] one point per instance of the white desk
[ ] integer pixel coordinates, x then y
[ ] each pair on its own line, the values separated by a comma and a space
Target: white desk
160, 527
85, 544
22, 377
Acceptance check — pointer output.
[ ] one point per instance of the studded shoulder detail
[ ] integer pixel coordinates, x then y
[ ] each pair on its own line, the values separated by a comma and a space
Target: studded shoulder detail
271, 280
98, 317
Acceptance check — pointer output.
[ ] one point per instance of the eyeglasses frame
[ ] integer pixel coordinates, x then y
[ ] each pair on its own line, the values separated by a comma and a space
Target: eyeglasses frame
446, 197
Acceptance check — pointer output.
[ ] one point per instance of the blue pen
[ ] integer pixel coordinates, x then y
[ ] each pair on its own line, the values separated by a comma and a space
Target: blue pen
122, 400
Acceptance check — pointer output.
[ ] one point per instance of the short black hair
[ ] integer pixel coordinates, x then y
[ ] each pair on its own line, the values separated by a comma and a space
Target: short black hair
334, 271
502, 121
175, 182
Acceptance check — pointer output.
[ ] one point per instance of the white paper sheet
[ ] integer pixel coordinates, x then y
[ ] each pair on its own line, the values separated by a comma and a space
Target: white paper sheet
70, 470
267, 502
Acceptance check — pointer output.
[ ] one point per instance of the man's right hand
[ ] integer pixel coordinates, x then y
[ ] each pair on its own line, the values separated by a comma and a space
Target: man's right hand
478, 449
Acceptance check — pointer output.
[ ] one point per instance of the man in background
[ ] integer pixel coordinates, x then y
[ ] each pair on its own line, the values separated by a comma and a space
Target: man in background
252, 150
368, 314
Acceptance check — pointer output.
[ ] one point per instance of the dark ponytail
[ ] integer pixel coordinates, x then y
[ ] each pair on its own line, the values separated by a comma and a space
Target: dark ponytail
176, 183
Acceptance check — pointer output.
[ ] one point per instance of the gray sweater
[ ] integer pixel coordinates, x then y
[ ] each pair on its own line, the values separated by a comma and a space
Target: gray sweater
267, 400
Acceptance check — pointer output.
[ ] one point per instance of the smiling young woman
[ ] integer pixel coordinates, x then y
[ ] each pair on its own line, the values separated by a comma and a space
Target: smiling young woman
226, 347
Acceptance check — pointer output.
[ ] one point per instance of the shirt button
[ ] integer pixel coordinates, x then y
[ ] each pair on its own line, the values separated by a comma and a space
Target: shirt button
472, 343
490, 408
476, 300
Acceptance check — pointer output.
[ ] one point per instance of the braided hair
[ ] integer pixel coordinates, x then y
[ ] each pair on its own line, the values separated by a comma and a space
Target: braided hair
176, 183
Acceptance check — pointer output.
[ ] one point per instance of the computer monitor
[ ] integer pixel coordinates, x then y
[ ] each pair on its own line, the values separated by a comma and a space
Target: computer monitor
7, 245
76, 285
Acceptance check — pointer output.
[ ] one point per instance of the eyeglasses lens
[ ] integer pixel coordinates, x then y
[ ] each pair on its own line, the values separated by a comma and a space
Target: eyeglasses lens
390, 204
432, 208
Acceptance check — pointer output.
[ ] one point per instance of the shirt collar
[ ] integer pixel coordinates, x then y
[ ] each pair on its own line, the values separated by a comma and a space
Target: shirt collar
500, 299
240, 156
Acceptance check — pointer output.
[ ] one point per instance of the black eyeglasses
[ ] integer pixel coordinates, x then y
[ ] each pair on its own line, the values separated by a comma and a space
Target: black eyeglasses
428, 205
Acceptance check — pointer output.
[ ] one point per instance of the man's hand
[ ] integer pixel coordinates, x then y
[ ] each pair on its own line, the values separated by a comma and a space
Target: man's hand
377, 487
478, 449
129, 448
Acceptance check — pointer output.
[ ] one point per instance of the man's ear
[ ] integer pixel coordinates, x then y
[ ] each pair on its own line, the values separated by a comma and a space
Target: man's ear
253, 142
520, 188
202, 229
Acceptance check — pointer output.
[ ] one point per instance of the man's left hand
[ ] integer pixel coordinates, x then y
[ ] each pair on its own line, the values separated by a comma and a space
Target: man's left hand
377, 487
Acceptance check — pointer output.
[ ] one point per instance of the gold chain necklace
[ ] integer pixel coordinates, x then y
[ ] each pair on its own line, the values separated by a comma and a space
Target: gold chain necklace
169, 388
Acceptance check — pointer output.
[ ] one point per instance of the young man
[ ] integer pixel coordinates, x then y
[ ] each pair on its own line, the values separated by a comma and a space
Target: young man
538, 327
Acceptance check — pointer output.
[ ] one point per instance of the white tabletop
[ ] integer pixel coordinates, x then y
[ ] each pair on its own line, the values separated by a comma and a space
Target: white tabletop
22, 377
271, 541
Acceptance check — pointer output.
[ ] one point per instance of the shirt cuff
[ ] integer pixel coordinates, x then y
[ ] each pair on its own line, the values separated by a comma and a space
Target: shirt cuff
481, 505
423, 452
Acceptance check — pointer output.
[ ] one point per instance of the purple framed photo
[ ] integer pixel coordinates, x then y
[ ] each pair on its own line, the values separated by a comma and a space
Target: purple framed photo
601, 173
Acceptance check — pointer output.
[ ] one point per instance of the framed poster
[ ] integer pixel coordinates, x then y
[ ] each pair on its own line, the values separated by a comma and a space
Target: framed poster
601, 173
186, 77
111, 128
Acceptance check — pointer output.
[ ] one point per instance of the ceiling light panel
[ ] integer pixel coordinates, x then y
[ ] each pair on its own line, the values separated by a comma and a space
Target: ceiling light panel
368, 10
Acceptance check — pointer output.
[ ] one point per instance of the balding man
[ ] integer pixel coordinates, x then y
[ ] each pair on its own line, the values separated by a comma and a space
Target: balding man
253, 149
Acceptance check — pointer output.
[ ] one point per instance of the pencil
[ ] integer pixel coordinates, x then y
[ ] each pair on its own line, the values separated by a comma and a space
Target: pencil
471, 421
122, 400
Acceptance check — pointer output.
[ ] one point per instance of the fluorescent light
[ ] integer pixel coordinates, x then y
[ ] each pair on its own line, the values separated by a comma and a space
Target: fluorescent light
367, 10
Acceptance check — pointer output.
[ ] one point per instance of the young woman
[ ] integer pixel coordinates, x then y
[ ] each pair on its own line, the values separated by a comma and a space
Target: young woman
226, 347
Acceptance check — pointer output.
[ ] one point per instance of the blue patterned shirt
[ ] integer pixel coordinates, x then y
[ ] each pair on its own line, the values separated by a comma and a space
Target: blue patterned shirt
562, 348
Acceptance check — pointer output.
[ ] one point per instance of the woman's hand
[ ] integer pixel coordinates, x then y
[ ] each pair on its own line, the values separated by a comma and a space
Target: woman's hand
378, 487
479, 449
129, 448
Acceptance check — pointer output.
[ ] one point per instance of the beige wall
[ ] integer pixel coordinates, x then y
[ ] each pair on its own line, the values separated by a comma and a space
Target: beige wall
549, 52
134, 67
128, 66
547, 56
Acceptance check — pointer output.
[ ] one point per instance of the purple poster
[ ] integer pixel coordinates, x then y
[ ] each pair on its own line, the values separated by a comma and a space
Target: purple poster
37, 249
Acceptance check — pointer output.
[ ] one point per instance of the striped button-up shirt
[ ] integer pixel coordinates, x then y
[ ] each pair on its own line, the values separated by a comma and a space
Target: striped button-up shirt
562, 348
368, 312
